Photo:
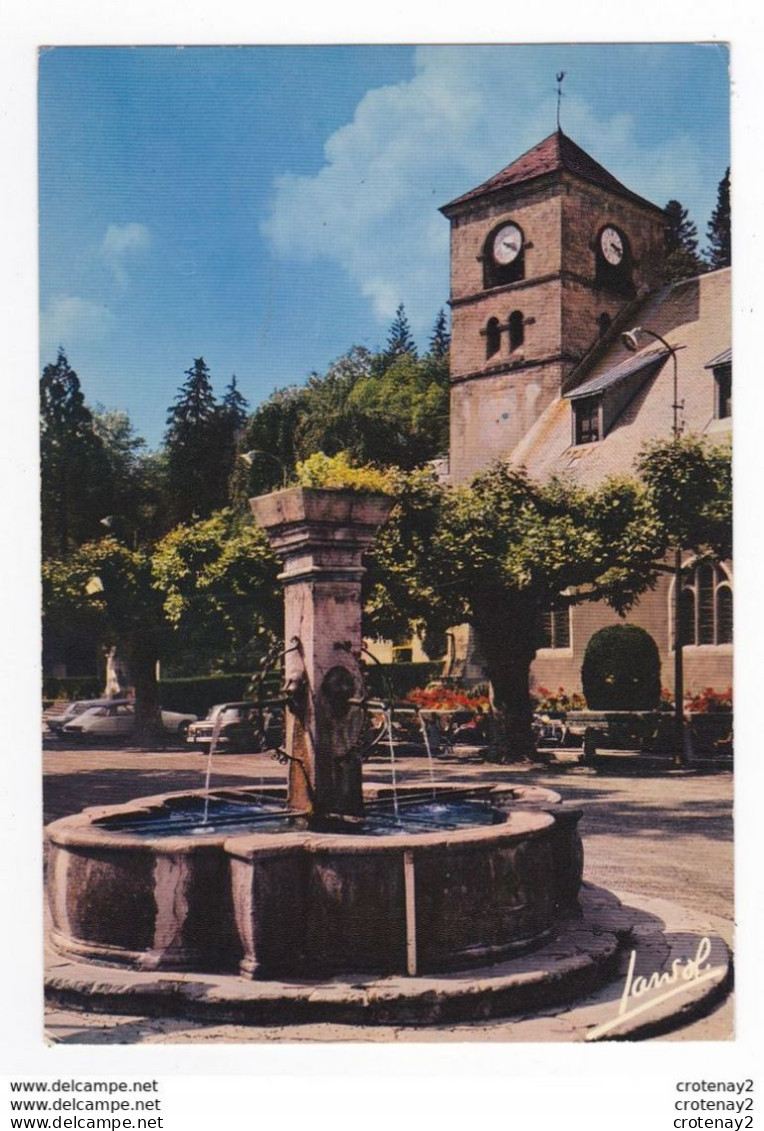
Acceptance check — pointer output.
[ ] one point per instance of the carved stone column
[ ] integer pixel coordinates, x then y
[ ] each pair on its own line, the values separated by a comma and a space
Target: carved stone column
322, 535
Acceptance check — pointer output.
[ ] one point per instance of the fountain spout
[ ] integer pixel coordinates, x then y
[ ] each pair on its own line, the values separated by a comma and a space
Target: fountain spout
321, 536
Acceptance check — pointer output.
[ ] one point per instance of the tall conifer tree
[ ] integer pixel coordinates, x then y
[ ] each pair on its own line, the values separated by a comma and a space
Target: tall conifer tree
719, 230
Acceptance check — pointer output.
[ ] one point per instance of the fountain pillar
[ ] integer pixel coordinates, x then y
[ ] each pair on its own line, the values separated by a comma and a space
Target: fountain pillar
321, 536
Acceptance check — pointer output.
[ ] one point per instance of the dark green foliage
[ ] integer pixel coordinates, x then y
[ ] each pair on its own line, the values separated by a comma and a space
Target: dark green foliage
200, 446
135, 495
690, 487
193, 485
719, 232
399, 337
76, 481
497, 553
380, 678
72, 687
196, 695
621, 670
388, 412
210, 586
680, 256
234, 407
440, 339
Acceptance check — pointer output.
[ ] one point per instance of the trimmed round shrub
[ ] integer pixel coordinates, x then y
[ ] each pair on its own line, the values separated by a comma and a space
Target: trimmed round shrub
622, 670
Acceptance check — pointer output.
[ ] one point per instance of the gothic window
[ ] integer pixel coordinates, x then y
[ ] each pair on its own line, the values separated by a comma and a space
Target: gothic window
516, 329
706, 606
723, 397
604, 322
586, 416
555, 629
492, 337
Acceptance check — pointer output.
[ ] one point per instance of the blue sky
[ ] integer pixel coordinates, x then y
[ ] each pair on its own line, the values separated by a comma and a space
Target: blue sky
268, 207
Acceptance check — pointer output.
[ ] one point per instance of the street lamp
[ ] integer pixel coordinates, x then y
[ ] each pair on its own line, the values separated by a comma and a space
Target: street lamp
630, 340
249, 458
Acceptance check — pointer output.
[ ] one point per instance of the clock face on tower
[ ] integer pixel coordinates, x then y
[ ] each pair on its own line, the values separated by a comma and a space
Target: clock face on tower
611, 243
507, 244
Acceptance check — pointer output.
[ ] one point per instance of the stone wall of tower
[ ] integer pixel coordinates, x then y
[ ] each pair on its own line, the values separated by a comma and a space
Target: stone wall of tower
490, 414
538, 211
586, 209
504, 394
495, 400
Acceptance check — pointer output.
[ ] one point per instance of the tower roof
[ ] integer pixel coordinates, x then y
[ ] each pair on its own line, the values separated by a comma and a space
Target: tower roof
554, 154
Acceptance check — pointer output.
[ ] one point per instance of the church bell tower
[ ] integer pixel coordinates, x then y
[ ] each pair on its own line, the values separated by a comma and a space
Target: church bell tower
543, 256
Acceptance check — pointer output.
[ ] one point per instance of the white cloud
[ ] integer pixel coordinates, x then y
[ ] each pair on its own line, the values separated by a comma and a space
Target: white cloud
119, 243
69, 319
372, 207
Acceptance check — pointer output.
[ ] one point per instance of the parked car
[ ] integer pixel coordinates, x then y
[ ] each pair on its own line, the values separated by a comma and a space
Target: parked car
243, 727
56, 723
116, 719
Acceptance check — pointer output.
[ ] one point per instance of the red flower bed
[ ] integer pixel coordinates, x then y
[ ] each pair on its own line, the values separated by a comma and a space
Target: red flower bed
446, 699
708, 700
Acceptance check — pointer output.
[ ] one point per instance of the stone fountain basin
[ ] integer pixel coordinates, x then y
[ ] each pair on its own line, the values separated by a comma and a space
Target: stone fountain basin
303, 903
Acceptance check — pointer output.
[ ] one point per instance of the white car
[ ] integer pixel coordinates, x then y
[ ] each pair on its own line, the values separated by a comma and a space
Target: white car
56, 723
116, 719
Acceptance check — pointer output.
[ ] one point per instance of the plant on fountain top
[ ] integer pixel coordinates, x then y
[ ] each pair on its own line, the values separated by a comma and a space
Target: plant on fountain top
339, 473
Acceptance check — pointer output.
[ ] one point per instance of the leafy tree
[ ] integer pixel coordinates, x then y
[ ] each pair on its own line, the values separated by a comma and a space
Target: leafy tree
440, 339
689, 483
75, 471
401, 415
680, 255
134, 496
218, 581
329, 421
496, 554
106, 590
268, 439
719, 232
399, 337
211, 585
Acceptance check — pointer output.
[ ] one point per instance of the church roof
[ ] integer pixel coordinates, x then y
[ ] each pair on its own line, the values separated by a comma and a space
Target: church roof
607, 378
694, 318
555, 153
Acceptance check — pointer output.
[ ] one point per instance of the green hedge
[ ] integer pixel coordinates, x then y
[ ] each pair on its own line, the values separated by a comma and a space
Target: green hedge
621, 670
196, 694
72, 687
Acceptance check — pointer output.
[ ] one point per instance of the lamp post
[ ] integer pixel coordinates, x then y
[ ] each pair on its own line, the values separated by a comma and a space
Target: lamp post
249, 458
630, 340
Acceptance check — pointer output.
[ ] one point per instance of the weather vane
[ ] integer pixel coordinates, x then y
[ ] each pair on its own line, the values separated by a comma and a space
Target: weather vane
560, 77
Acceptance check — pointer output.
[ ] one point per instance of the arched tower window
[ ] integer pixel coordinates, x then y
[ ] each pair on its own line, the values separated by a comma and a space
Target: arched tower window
516, 329
706, 606
492, 337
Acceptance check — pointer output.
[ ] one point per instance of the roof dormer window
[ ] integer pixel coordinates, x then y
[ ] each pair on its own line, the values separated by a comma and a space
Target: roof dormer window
597, 403
587, 420
723, 399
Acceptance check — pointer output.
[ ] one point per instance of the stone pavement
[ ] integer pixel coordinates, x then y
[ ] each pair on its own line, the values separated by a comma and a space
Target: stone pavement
667, 837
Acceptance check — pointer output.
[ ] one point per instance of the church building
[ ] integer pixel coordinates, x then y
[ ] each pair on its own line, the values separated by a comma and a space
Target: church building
552, 261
